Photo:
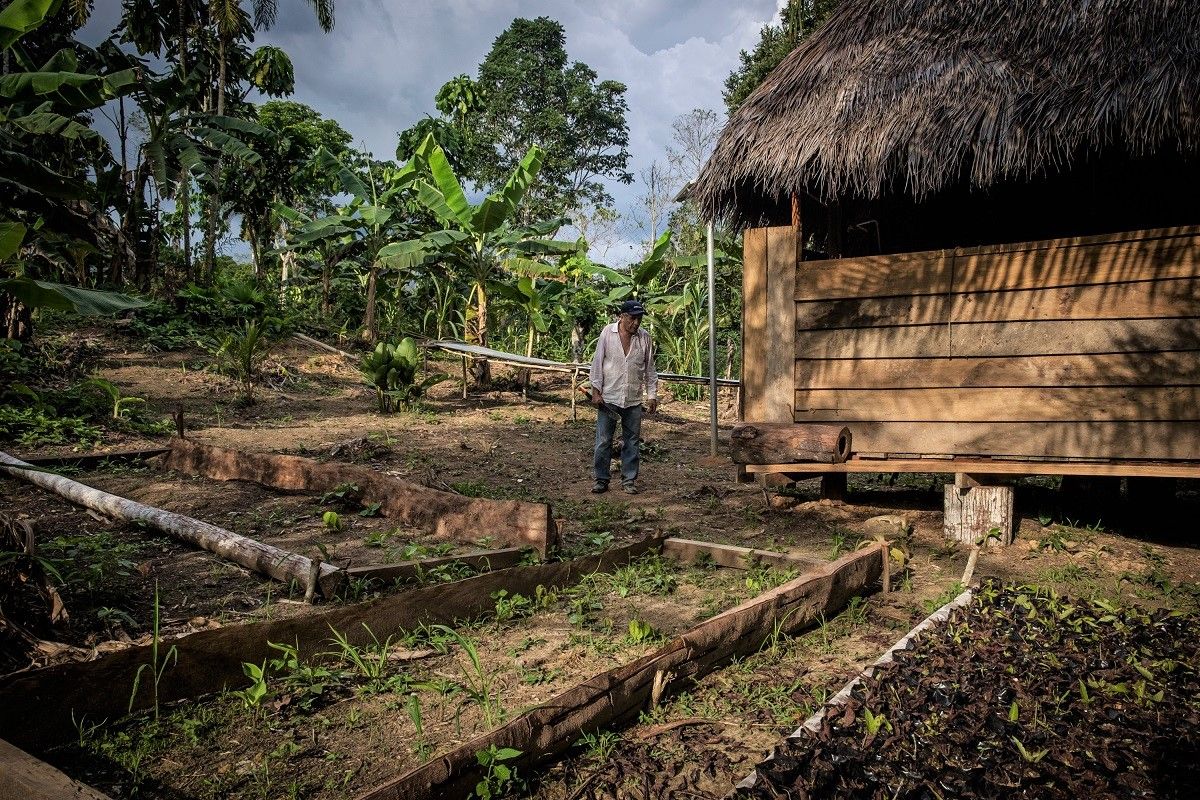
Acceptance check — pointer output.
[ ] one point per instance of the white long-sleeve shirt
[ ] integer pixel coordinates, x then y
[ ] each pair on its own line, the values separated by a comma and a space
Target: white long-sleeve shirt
620, 377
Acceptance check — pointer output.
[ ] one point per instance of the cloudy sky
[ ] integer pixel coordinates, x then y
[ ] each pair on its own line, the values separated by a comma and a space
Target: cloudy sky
378, 70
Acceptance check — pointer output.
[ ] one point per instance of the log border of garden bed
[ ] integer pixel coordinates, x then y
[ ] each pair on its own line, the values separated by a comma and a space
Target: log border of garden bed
29, 778
36, 706
813, 723
266, 559
446, 515
619, 694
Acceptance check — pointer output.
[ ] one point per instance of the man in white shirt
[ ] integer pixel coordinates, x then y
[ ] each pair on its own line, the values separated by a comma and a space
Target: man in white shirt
622, 368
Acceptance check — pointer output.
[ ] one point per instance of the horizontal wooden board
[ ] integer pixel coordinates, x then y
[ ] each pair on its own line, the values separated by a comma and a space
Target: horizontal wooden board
1171, 297
1113, 258
975, 339
1141, 469
1166, 441
1111, 369
1039, 404
876, 276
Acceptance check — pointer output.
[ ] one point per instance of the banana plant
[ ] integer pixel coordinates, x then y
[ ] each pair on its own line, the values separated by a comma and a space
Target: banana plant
534, 299
374, 217
637, 281
482, 240
392, 370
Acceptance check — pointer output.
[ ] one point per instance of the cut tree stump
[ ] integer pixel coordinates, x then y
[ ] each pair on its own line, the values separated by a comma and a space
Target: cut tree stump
446, 515
788, 443
974, 506
262, 558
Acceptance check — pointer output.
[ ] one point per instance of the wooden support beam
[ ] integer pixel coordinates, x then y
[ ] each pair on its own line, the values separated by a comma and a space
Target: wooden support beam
974, 509
833, 487
989, 466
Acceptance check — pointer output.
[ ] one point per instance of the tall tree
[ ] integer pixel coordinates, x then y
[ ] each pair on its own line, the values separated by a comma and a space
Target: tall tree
797, 19
533, 96
288, 173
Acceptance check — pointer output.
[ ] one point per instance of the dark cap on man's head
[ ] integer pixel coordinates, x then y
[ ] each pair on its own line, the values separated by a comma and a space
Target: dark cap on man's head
633, 307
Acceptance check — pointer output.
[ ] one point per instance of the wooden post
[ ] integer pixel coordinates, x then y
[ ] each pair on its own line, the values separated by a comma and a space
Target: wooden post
833, 487
975, 505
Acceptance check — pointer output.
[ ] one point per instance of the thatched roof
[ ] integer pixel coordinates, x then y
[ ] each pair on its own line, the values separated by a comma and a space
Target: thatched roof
916, 95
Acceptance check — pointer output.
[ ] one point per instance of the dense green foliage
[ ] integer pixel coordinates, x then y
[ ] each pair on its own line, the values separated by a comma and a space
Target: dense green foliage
342, 245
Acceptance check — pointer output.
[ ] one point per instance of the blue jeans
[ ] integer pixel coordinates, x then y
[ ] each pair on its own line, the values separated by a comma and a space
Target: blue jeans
631, 429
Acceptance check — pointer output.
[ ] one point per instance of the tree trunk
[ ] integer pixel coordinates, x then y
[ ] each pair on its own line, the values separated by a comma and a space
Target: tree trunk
254, 555
481, 368
369, 327
326, 285
185, 208
214, 200
17, 318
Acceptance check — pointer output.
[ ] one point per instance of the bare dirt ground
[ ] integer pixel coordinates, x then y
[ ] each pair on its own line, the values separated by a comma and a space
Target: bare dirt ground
497, 444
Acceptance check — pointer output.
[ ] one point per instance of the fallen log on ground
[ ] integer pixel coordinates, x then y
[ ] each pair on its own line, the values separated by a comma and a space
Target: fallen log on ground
38, 708
258, 556
788, 443
444, 514
619, 694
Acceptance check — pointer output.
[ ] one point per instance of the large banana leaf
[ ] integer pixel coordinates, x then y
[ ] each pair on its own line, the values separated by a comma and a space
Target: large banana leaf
31, 175
449, 188
11, 236
351, 183
498, 207
414, 252
435, 201
43, 294
43, 121
23, 16
74, 91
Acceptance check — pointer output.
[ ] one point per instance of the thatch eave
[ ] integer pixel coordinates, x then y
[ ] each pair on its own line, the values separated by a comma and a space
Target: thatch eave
914, 96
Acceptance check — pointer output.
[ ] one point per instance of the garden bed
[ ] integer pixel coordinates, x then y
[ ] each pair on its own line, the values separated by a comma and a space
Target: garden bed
375, 707
1023, 692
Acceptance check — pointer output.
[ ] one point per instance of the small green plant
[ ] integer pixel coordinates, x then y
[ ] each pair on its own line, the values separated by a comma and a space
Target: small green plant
599, 745
392, 370
332, 520
420, 746
640, 631
158, 667
1028, 756
512, 606
370, 661
498, 777
240, 354
346, 496
305, 683
478, 684
253, 695
875, 722
120, 404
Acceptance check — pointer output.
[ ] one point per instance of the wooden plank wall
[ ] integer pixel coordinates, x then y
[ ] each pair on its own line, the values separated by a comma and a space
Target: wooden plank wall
1084, 348
769, 307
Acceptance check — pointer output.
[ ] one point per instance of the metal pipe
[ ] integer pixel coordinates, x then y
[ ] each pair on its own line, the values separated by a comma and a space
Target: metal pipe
712, 344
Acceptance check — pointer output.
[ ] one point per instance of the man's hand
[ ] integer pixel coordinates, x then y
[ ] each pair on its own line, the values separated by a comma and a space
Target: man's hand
597, 398
652, 405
